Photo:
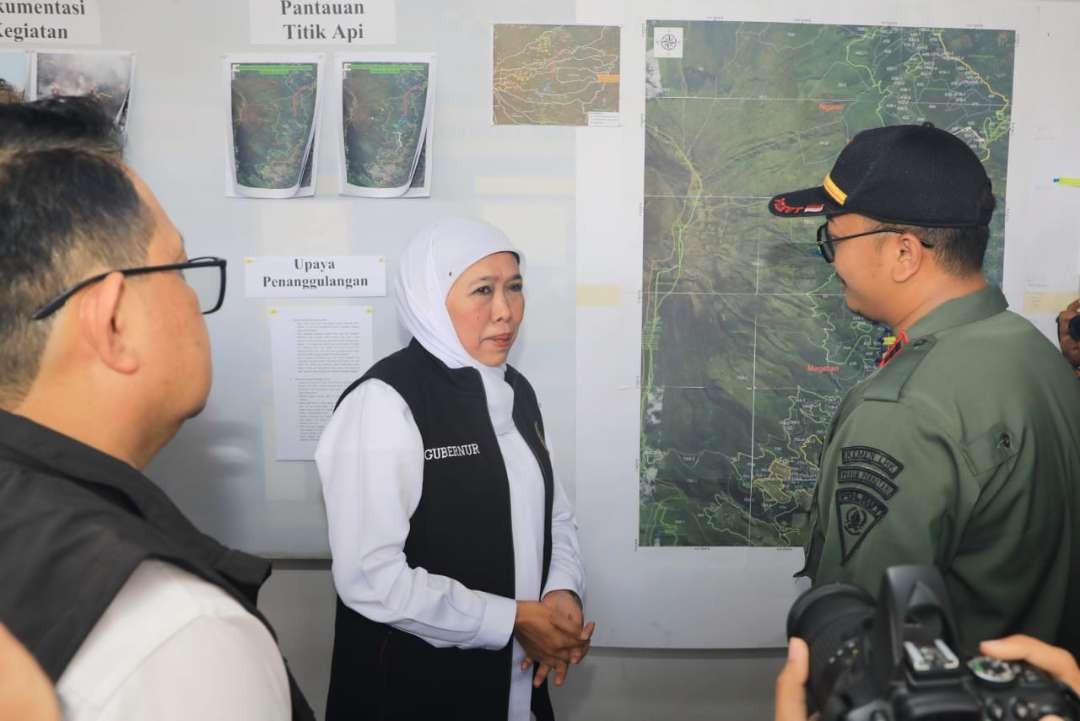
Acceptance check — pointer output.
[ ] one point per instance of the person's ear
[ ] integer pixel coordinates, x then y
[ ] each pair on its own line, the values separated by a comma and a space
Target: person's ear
102, 328
909, 255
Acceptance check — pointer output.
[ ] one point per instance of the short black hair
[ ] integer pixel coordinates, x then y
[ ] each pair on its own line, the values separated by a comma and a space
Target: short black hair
78, 122
960, 251
67, 208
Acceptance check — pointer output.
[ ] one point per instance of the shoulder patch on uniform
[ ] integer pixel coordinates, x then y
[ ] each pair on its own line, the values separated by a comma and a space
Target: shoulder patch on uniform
866, 477
887, 382
857, 512
870, 456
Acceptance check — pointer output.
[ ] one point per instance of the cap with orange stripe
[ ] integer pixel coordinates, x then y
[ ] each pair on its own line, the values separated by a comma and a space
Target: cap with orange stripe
908, 174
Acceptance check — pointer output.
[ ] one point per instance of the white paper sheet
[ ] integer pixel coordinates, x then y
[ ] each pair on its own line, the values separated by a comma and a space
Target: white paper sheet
317, 352
286, 22
326, 276
51, 23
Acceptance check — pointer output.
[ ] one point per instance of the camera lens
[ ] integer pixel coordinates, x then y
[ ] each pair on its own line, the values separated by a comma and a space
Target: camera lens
834, 620
1074, 327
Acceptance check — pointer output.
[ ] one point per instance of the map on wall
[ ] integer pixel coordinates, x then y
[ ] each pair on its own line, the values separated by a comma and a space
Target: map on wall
386, 124
747, 345
273, 114
554, 74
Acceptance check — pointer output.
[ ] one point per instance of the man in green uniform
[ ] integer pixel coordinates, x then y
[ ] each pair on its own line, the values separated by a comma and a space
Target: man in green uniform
963, 448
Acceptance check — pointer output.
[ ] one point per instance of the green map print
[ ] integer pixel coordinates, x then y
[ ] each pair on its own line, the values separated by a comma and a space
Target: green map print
383, 106
273, 108
747, 345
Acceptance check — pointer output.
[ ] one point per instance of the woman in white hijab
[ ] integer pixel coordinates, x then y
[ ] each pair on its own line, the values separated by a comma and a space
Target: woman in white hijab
455, 553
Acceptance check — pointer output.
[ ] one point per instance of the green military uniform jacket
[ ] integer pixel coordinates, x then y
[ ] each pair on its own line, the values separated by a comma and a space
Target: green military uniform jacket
964, 452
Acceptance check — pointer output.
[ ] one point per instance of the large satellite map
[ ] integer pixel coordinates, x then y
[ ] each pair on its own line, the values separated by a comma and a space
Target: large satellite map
554, 74
747, 345
383, 118
273, 111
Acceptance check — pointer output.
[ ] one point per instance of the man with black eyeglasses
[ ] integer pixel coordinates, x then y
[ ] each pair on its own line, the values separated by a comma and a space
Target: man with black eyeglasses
963, 448
104, 353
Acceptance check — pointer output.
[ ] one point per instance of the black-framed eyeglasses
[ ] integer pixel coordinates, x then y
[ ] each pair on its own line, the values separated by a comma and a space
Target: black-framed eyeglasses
825, 242
205, 275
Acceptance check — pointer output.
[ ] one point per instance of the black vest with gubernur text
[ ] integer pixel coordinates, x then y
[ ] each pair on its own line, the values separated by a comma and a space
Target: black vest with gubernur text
461, 529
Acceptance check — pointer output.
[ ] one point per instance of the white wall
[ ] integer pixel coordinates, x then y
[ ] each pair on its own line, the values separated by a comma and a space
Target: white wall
612, 684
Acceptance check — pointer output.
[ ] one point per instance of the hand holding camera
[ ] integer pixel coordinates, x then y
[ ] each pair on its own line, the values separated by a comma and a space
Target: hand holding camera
896, 659
1058, 662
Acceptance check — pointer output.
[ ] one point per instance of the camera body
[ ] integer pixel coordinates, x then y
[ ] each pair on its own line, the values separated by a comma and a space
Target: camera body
1074, 327
896, 658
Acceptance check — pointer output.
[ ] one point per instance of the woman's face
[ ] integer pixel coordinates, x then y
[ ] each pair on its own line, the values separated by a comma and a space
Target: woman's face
486, 305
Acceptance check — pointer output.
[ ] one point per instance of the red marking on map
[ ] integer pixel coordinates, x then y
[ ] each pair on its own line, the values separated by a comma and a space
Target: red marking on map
831, 107
822, 369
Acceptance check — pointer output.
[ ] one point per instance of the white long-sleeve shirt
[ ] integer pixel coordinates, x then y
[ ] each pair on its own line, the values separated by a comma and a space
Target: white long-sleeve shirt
173, 647
371, 462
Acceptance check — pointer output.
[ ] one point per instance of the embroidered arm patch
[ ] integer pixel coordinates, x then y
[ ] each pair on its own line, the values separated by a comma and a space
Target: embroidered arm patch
867, 478
857, 512
875, 457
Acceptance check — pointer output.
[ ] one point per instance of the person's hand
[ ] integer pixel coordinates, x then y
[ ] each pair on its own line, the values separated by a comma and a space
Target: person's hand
1057, 662
1070, 347
791, 683
550, 638
567, 605
25, 692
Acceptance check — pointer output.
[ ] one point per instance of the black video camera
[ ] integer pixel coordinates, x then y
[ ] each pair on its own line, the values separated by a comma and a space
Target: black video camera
896, 659
1074, 327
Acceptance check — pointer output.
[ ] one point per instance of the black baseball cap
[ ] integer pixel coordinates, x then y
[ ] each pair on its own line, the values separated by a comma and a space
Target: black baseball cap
905, 174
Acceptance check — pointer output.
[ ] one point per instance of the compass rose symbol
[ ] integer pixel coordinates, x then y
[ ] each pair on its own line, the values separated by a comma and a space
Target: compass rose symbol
669, 41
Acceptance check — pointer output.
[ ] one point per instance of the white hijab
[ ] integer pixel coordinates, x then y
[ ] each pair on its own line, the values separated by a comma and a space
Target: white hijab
435, 257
